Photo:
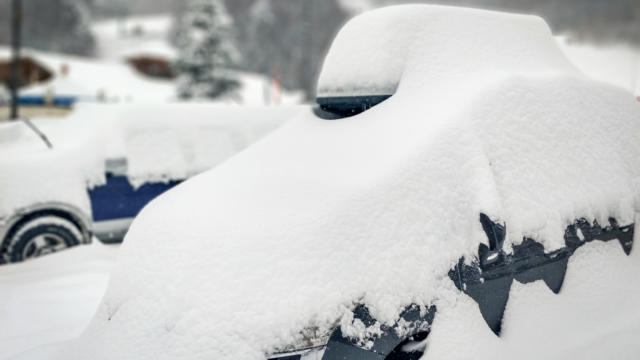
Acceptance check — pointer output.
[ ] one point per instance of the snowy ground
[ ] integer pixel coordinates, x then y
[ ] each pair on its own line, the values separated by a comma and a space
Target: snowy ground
51, 299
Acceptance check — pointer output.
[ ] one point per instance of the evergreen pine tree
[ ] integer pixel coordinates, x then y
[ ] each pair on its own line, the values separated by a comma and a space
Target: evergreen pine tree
54, 25
290, 36
205, 52
74, 28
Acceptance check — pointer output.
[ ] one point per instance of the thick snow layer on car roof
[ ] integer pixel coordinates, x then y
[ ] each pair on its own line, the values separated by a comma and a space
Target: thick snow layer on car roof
284, 238
374, 51
160, 143
175, 141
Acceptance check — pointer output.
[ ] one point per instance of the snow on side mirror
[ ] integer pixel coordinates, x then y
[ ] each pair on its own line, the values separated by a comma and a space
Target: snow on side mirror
365, 63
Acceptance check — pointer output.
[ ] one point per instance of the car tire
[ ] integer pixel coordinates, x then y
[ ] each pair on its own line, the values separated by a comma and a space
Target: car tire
40, 236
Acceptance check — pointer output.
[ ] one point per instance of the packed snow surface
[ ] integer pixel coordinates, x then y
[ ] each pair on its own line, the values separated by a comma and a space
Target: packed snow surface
159, 142
488, 116
594, 317
52, 298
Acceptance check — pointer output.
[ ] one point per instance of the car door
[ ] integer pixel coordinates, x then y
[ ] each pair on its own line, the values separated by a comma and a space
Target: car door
115, 203
488, 278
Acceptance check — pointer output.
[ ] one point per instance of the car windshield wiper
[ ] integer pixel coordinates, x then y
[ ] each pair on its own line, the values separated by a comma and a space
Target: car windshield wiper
35, 129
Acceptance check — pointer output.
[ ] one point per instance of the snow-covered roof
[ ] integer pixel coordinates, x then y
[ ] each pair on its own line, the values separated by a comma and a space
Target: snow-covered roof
118, 39
153, 48
89, 78
161, 142
61, 86
117, 82
6, 53
488, 116
373, 52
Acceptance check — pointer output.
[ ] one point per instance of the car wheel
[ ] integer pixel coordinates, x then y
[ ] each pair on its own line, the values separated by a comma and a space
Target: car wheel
40, 236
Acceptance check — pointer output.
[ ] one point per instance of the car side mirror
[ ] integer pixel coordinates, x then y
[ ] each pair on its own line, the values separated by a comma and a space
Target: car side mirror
492, 254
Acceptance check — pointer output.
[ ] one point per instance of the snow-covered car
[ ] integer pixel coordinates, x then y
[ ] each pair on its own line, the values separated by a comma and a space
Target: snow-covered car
481, 207
106, 163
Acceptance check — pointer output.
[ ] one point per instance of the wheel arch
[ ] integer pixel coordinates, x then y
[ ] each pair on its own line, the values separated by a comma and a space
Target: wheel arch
66, 211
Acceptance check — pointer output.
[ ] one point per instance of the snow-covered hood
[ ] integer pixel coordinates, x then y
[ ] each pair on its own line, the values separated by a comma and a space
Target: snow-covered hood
31, 173
488, 116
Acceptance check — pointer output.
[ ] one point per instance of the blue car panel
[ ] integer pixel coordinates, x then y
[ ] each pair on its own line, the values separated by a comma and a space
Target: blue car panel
118, 199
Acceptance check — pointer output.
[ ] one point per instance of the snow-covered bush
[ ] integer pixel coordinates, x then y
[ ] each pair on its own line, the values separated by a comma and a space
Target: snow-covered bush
205, 51
58, 25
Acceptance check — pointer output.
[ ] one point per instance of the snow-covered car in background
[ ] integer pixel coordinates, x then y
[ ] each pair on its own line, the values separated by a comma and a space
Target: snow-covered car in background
106, 164
482, 208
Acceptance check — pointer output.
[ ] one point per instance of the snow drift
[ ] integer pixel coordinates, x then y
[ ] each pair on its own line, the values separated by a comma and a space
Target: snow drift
487, 116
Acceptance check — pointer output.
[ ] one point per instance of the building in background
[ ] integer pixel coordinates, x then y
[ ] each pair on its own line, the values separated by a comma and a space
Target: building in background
31, 70
138, 41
